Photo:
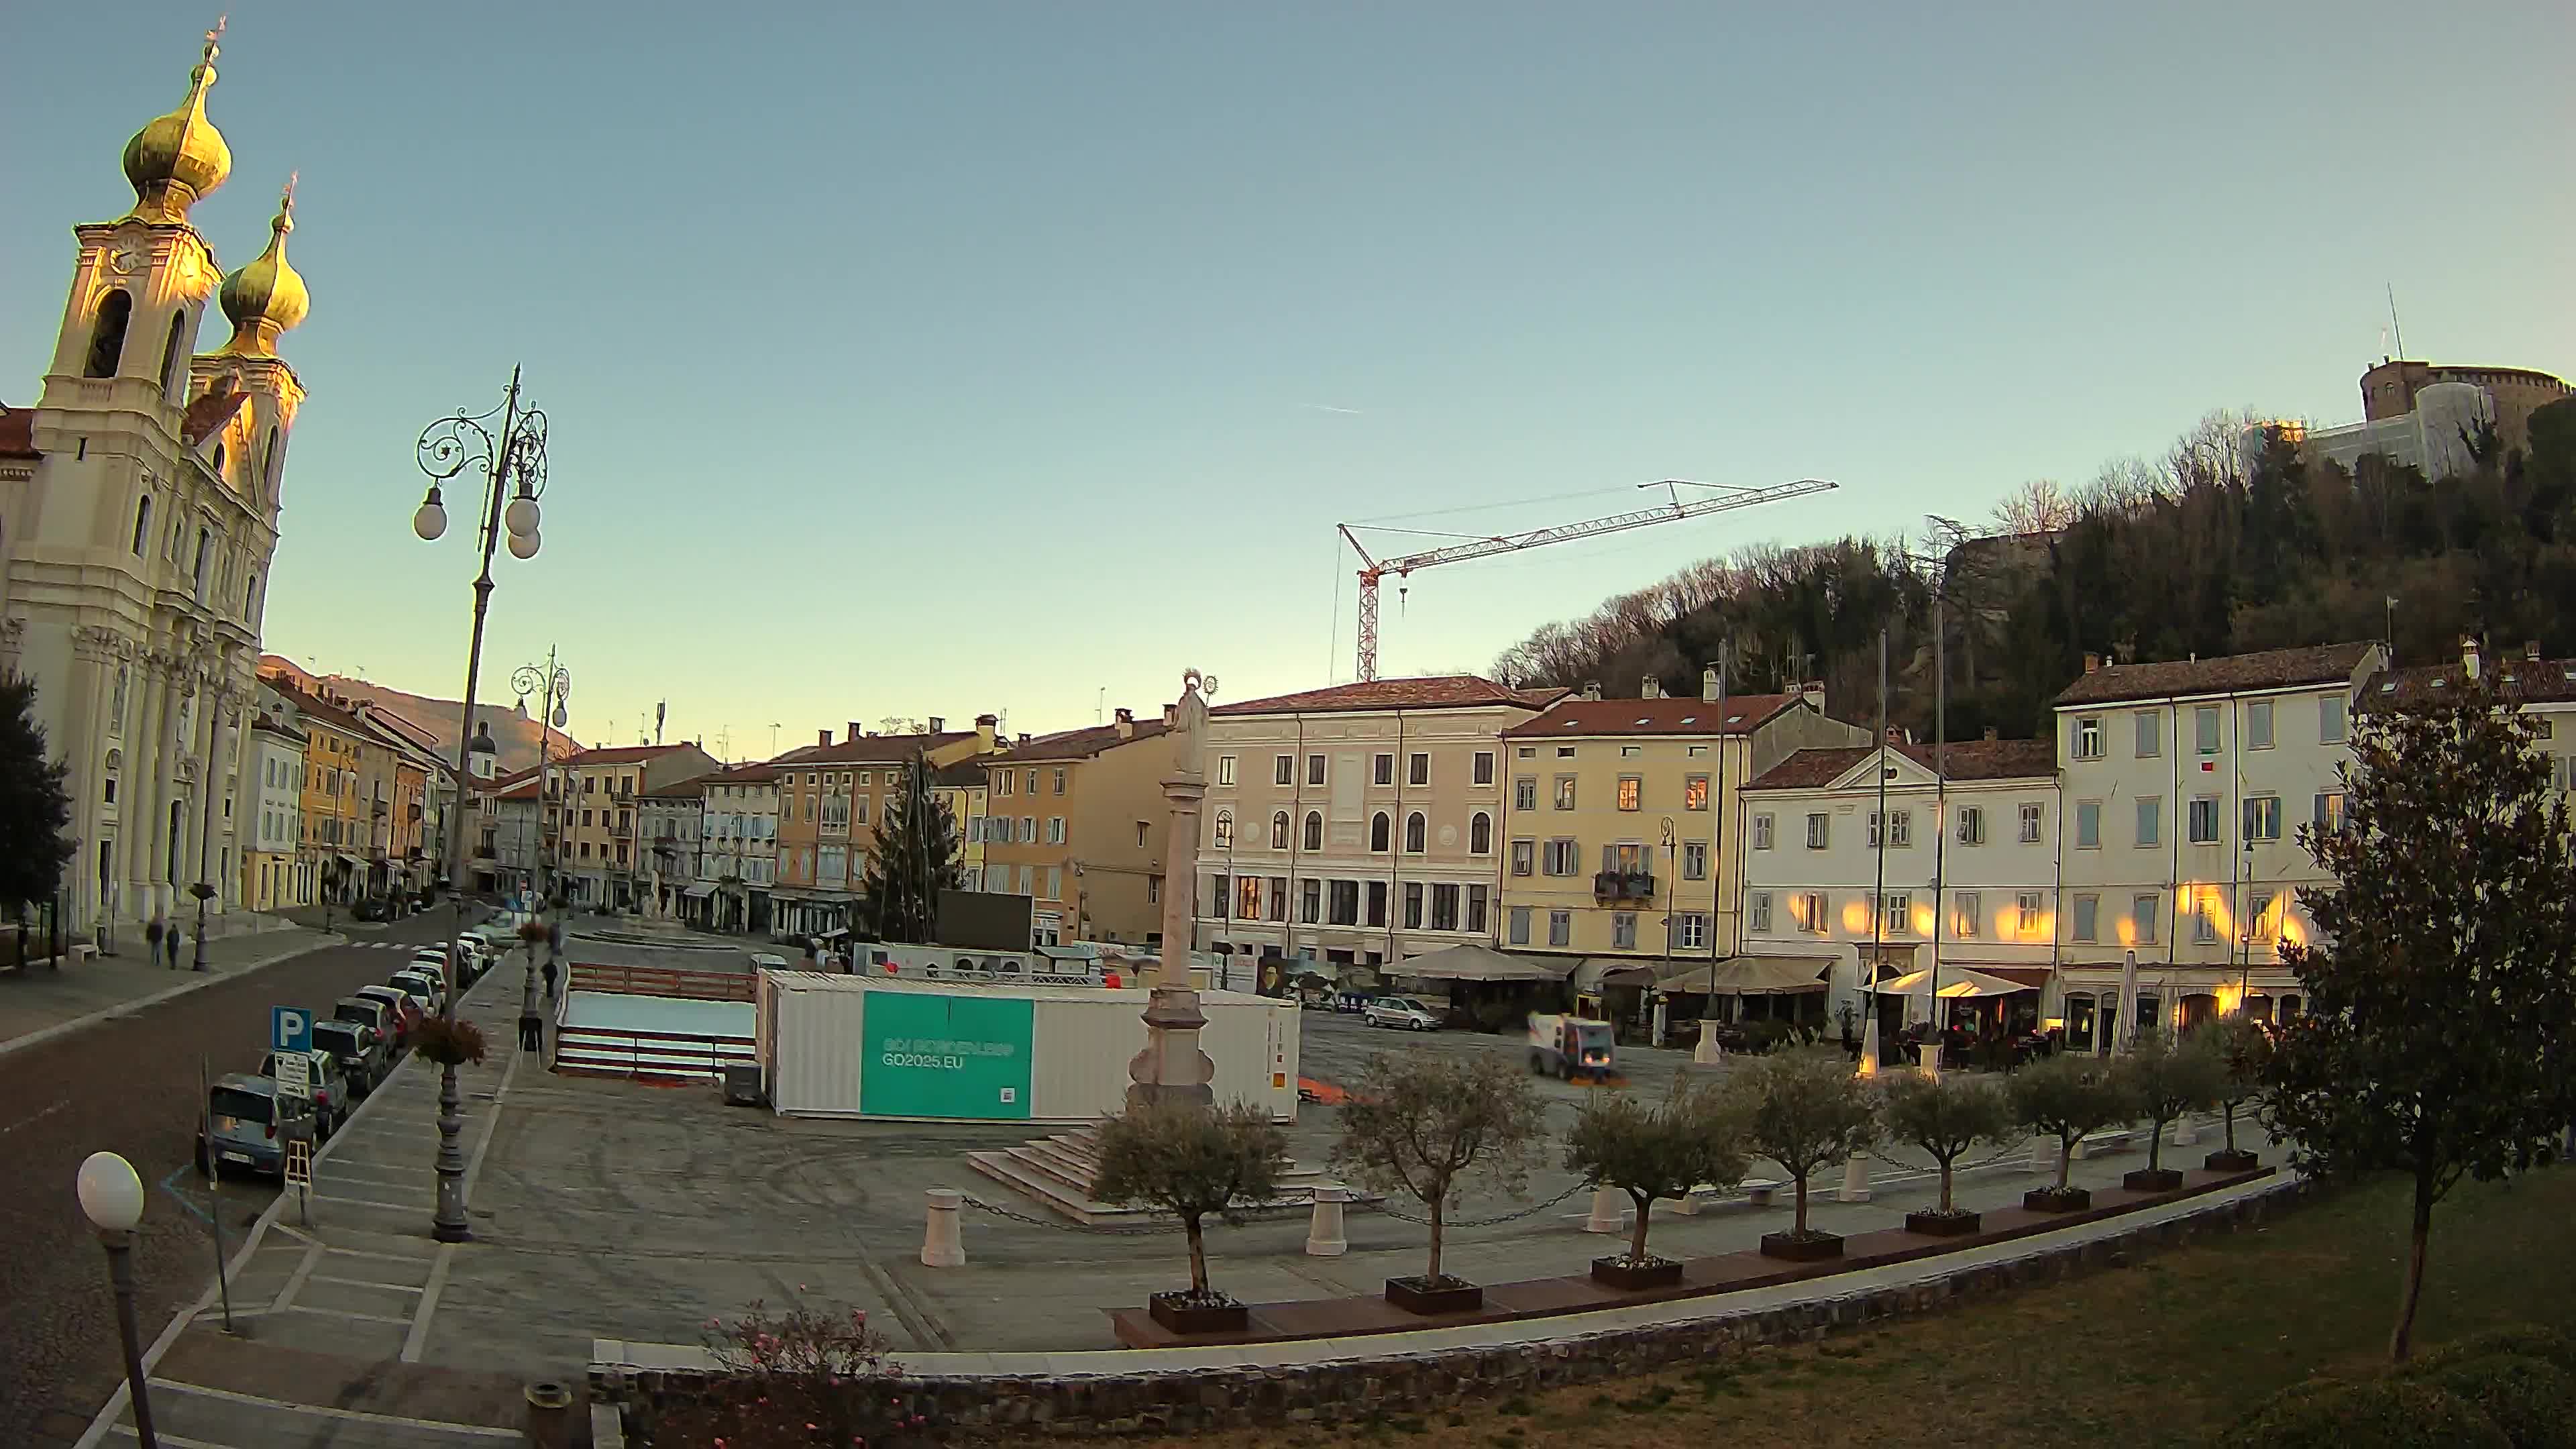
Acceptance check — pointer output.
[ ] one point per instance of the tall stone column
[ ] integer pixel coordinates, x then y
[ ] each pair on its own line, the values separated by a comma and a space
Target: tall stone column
147, 777
1171, 1068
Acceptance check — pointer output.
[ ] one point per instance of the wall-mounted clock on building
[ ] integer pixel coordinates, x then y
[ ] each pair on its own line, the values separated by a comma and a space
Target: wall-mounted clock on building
128, 257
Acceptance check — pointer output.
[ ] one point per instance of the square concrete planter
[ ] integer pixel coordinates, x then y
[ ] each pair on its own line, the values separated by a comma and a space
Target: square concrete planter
2225, 1161
1617, 1272
1942, 1225
2050, 1200
1446, 1295
1189, 1313
1815, 1247
2152, 1179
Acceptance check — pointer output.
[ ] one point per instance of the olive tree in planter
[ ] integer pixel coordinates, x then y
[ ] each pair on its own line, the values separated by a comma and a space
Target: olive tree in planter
2166, 1078
1191, 1162
2244, 1047
2066, 1097
1945, 1117
1807, 1112
1427, 1127
1695, 1137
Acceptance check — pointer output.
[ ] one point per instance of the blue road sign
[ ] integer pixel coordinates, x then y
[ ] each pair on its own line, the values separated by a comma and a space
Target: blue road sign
290, 1029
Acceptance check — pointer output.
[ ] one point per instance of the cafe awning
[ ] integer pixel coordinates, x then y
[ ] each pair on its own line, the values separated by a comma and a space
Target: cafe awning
1957, 983
699, 892
1480, 963
1751, 976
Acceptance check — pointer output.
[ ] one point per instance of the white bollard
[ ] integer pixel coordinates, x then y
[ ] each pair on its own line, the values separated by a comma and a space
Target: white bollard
2043, 1156
1855, 1179
1606, 1215
1324, 1238
1930, 1053
942, 1246
1708, 1053
2184, 1133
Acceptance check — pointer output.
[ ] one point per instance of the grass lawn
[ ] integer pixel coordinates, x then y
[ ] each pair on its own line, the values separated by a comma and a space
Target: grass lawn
2168, 1351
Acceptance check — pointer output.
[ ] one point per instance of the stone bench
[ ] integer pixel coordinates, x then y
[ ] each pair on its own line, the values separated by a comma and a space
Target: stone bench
1759, 1191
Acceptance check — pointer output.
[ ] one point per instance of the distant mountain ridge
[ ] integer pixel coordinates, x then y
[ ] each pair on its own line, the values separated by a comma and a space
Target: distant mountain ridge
516, 735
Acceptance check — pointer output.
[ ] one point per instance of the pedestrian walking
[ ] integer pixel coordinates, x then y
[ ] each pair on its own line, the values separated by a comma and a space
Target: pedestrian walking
550, 978
178, 937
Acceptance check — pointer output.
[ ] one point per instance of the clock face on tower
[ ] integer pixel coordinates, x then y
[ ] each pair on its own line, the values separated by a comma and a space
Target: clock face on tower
128, 257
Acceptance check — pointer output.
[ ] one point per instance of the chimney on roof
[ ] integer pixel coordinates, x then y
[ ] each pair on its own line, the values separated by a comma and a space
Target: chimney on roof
985, 726
1024, 737
1813, 692
1592, 689
855, 731
938, 724
1126, 724
2469, 656
823, 737
1650, 688
2531, 650
1708, 684
1171, 715
2092, 663
1991, 733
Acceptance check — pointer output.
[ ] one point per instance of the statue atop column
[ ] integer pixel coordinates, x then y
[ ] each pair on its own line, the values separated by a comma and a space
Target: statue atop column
1171, 1067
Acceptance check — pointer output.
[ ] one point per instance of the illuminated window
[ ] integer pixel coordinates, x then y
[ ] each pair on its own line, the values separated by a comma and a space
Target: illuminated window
1695, 792
1565, 792
1965, 919
2330, 810
1631, 792
2263, 817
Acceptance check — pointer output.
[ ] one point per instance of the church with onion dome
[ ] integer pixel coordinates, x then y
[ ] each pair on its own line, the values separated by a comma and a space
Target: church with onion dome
138, 515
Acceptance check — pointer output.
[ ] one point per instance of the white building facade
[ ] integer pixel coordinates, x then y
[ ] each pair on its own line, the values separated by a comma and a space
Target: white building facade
670, 820
1290, 860
738, 852
2184, 784
138, 514
273, 877
1959, 873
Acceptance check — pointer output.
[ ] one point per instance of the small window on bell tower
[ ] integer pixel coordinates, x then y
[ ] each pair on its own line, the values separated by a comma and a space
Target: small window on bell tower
107, 336
170, 380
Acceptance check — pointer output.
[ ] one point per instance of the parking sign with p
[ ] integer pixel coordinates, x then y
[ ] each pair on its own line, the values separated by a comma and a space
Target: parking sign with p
290, 1029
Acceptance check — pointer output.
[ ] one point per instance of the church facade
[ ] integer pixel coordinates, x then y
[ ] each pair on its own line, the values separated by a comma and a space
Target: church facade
138, 515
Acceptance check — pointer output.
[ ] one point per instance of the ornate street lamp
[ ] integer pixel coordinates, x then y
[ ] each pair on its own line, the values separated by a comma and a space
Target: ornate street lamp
516, 458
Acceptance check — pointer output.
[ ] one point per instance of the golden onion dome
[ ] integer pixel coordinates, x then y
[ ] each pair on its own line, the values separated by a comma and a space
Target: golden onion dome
266, 297
175, 160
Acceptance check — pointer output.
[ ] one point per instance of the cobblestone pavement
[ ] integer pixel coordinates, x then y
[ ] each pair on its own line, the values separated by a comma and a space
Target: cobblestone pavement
129, 1085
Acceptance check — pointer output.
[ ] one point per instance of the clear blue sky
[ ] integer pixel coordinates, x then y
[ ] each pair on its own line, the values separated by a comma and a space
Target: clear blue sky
932, 358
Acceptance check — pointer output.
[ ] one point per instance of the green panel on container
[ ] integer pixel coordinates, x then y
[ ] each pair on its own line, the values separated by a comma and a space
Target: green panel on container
947, 1056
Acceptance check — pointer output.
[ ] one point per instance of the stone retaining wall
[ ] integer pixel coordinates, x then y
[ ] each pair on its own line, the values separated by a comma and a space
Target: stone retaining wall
1347, 1389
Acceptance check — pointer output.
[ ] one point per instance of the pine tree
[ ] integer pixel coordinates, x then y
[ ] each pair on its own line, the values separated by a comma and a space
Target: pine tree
916, 857
2441, 1006
34, 808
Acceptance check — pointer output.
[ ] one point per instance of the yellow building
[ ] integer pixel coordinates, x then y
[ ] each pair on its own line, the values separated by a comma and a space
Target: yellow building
272, 877
831, 799
331, 831
1077, 823
963, 787
590, 829
1622, 827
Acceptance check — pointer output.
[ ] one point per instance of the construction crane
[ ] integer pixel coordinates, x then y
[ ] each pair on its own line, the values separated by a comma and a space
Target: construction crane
1374, 569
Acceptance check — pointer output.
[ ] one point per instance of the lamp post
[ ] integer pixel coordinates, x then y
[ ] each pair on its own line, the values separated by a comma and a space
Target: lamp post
111, 1197
552, 683
517, 457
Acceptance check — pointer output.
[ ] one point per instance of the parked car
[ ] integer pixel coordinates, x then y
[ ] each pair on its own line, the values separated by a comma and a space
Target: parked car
430, 963
403, 1004
1400, 1011
362, 1055
330, 1088
424, 986
377, 1015
240, 1128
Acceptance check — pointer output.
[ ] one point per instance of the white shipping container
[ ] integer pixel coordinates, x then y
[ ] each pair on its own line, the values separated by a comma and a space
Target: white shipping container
811, 1022
1082, 1039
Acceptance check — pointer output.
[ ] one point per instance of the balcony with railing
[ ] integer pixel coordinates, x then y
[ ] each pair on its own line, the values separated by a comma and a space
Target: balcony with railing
1623, 885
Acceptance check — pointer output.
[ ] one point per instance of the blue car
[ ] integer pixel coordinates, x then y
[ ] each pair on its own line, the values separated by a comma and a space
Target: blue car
240, 1130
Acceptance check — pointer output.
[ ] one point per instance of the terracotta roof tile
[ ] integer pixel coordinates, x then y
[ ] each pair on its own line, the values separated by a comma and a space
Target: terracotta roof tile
2534, 681
754, 774
18, 433
1579, 718
1968, 760
872, 749
1437, 691
209, 412
1081, 744
2271, 669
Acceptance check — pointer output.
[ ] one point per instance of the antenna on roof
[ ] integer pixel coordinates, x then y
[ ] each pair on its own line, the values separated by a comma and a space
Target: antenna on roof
2394, 327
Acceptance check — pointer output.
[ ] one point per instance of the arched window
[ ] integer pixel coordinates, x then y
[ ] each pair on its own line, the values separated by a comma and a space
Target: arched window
205, 545
1225, 830
107, 335
1279, 831
250, 607
142, 523
268, 463
1378, 830
219, 460
170, 351
1480, 834
1314, 830
1413, 830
